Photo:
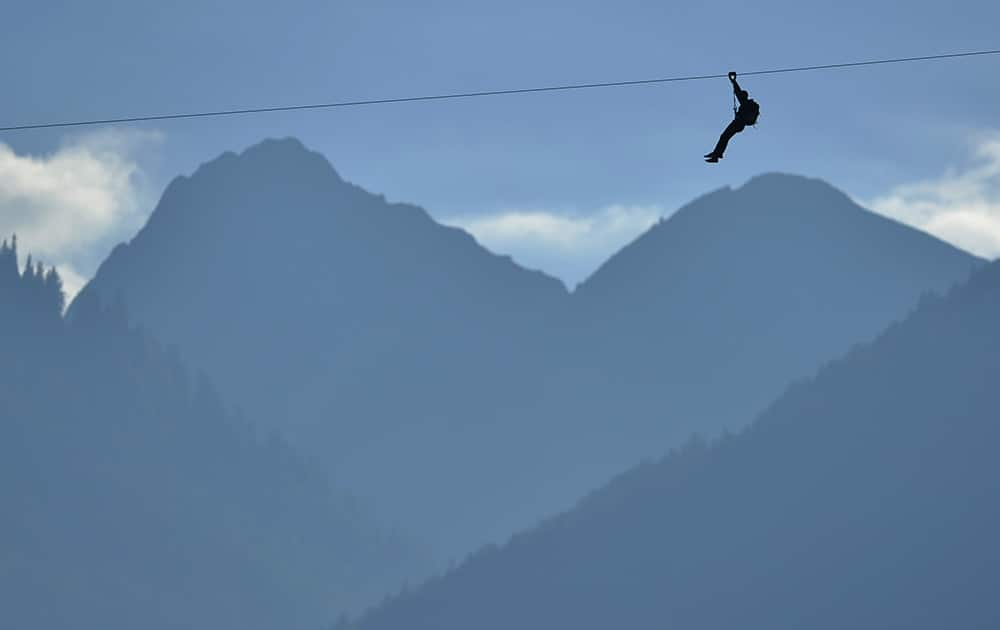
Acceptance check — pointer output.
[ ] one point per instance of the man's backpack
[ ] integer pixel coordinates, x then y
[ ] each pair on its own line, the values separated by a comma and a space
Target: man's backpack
750, 112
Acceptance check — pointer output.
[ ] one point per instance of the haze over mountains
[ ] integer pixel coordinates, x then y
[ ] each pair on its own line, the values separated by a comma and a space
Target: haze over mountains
742, 291
864, 498
368, 329
132, 499
468, 397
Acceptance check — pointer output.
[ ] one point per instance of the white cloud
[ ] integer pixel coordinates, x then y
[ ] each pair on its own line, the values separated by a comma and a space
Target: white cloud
569, 246
68, 206
71, 280
962, 206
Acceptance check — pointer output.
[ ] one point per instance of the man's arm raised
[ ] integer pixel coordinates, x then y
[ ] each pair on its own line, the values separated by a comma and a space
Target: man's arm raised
737, 90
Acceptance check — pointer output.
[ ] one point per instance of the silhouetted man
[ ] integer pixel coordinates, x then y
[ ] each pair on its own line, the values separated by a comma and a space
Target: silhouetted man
746, 115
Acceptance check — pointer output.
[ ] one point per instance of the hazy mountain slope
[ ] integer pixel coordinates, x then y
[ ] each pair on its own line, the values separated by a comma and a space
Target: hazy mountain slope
712, 312
268, 269
383, 341
466, 396
707, 317
866, 498
131, 500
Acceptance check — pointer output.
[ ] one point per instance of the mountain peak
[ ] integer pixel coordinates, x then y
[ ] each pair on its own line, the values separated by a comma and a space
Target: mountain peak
798, 188
772, 178
287, 147
737, 272
781, 217
284, 158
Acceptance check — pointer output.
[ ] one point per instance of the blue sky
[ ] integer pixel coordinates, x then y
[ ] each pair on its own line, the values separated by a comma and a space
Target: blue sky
557, 179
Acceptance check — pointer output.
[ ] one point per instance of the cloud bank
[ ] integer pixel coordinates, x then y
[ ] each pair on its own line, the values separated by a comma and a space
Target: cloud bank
569, 246
68, 207
961, 207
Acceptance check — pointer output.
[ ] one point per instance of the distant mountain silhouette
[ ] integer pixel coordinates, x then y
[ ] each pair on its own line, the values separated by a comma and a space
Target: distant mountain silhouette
711, 313
865, 498
466, 396
385, 342
132, 499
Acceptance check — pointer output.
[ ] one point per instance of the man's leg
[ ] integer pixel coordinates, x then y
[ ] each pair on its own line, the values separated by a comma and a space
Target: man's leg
731, 130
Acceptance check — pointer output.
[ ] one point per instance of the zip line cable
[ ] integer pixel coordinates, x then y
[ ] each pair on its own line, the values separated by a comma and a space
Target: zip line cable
463, 95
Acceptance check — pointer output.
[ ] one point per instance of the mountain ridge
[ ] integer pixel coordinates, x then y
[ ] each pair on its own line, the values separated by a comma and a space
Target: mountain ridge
864, 497
262, 156
137, 499
386, 342
746, 270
